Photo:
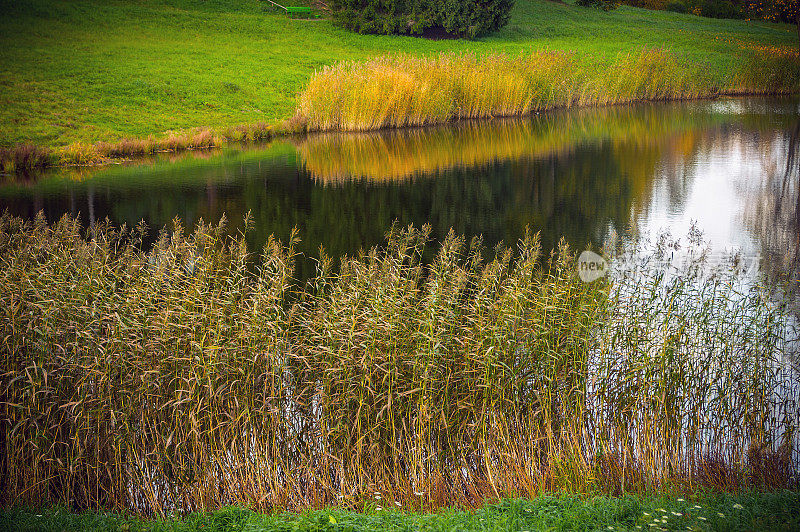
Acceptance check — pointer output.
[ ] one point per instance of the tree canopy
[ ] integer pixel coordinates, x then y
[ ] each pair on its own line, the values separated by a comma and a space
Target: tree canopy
463, 18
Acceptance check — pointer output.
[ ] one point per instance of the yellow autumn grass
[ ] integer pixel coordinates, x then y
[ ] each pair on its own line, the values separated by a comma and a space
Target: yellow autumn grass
404, 90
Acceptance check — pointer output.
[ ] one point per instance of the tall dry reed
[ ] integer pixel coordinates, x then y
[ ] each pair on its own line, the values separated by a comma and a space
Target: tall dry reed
196, 374
404, 90
24, 158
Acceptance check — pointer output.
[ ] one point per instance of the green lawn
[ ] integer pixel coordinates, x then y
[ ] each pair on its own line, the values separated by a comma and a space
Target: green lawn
760, 511
99, 70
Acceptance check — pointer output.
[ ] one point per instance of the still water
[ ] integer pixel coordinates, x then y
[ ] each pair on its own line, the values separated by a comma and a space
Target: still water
727, 166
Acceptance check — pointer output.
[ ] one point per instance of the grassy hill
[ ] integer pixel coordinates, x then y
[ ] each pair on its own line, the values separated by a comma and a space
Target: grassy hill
100, 70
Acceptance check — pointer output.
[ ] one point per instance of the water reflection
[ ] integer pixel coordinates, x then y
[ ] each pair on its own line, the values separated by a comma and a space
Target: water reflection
771, 210
577, 174
403, 154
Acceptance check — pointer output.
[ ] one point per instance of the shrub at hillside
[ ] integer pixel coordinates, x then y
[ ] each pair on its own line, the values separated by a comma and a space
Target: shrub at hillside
774, 10
470, 18
703, 8
605, 5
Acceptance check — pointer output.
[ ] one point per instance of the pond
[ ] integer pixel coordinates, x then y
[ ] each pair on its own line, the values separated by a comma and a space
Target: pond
217, 389
728, 166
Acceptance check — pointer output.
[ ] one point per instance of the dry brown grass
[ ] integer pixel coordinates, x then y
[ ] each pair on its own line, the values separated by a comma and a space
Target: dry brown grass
24, 157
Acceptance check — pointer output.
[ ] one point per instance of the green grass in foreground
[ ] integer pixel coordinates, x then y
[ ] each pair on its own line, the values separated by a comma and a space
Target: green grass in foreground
758, 511
92, 70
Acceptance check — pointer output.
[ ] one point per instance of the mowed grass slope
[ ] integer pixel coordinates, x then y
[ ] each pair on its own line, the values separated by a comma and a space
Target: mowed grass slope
92, 70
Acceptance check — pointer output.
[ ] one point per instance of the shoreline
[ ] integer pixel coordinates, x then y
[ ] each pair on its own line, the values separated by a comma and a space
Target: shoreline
79, 155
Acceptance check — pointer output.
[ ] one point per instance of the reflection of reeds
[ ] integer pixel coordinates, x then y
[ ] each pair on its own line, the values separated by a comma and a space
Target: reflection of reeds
182, 378
393, 155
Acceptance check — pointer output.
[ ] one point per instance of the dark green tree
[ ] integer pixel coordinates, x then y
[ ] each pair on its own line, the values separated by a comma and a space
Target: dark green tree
463, 18
605, 5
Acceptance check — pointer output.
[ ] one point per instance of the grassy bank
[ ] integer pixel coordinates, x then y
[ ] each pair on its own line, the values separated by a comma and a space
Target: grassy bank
92, 79
187, 378
758, 511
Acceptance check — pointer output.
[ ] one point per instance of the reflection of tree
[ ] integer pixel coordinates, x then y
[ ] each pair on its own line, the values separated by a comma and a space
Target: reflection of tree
773, 210
786, 229
789, 181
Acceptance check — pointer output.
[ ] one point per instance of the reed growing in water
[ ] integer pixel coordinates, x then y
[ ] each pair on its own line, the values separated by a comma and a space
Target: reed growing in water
192, 376
403, 90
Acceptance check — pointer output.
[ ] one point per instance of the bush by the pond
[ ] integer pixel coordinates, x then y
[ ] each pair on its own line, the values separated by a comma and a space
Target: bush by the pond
193, 376
468, 18
605, 5
676, 6
25, 157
